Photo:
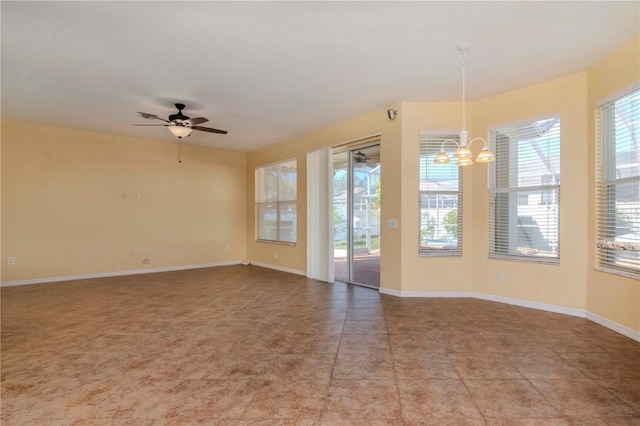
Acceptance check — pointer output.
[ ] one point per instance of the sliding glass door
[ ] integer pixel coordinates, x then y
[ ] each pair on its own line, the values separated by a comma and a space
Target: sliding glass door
356, 215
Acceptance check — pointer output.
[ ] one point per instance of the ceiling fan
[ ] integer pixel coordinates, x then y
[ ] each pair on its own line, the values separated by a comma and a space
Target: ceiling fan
179, 124
371, 161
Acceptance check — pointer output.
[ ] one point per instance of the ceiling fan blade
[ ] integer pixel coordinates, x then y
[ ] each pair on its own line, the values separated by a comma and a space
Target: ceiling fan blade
163, 125
209, 129
151, 116
197, 120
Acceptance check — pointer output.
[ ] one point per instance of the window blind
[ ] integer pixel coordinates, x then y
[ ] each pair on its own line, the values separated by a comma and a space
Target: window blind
276, 195
440, 200
524, 207
618, 183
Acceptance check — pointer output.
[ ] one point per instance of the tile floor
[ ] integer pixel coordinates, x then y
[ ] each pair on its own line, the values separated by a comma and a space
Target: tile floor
249, 346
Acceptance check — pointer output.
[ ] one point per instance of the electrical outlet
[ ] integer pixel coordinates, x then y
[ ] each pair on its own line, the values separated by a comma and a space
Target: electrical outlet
11, 261
275, 254
137, 196
228, 247
500, 278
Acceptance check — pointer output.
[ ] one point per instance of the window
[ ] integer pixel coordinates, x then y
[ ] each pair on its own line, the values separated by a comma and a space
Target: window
618, 183
525, 192
276, 202
440, 201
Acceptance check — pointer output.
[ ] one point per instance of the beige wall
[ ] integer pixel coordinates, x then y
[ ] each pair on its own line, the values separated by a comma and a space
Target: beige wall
610, 296
63, 211
294, 257
401, 268
563, 284
441, 273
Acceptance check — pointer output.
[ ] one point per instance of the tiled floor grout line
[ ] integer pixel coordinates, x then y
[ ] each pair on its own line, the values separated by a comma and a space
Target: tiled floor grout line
395, 371
475, 403
335, 360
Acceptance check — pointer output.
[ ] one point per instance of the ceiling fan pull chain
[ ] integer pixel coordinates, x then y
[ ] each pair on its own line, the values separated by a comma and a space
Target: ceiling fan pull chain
180, 152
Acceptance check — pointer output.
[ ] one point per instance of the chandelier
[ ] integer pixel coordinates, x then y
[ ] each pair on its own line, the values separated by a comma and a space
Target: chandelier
463, 154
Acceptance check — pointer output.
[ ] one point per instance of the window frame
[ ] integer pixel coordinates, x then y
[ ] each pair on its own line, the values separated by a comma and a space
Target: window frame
605, 127
436, 139
515, 196
278, 203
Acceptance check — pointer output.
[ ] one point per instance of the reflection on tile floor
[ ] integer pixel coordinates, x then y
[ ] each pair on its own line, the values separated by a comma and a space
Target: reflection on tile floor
249, 346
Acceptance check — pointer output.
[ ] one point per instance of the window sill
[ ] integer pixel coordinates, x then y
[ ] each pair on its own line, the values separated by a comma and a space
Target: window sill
281, 243
425, 254
542, 260
613, 271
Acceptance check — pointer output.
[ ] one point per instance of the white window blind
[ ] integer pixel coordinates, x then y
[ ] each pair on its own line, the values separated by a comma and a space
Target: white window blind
524, 207
276, 202
440, 201
618, 183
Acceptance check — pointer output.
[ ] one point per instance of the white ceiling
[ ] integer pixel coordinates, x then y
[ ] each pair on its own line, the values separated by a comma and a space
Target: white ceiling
267, 71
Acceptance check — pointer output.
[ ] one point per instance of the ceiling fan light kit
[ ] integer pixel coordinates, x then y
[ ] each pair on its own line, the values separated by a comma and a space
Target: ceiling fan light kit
463, 152
180, 131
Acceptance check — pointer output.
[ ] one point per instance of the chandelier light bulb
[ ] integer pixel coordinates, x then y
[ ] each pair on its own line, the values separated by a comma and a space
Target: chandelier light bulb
485, 156
463, 152
442, 157
462, 162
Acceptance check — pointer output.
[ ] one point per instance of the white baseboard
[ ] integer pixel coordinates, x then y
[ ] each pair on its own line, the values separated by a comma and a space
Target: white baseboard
612, 325
581, 313
279, 268
507, 300
116, 274
399, 293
